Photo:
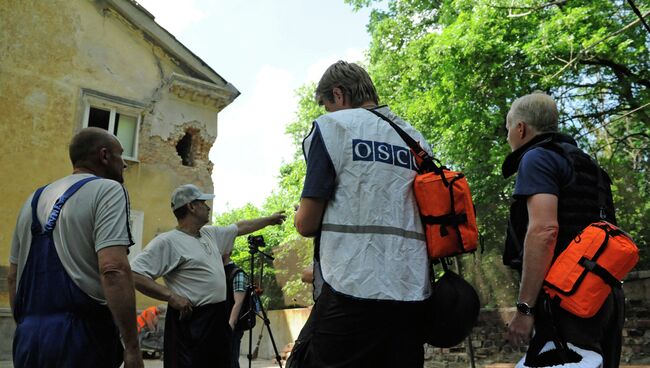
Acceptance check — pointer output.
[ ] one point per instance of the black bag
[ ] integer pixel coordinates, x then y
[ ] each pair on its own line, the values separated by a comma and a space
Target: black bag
451, 311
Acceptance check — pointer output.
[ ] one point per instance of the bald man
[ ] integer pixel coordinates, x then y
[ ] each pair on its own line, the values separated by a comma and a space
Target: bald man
70, 284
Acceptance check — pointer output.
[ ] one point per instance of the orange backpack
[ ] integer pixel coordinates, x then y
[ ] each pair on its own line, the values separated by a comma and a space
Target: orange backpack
444, 201
595, 261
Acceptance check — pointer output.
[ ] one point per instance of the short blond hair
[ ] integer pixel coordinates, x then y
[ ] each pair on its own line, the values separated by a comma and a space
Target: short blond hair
537, 109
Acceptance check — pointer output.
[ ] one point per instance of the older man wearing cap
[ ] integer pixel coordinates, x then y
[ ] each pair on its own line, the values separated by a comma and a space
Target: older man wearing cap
188, 258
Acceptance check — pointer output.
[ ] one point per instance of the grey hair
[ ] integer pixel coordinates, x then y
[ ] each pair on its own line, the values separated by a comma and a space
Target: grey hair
538, 110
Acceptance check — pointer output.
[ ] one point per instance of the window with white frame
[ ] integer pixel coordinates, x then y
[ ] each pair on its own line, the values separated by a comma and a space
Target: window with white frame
117, 115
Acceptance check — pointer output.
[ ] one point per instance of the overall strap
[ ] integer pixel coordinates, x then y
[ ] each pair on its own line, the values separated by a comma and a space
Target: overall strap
56, 210
36, 225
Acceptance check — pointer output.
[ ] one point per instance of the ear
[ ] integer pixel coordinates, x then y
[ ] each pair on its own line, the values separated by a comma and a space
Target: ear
104, 155
191, 207
522, 129
339, 96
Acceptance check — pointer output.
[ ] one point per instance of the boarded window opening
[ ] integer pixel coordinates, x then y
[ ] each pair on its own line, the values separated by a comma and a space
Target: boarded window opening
184, 149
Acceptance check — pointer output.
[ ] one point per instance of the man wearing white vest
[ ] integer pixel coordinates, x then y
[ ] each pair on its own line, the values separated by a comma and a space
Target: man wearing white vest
370, 252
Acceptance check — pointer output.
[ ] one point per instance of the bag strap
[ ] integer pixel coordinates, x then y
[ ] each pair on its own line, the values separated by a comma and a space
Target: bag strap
36, 225
550, 332
427, 163
600, 188
600, 271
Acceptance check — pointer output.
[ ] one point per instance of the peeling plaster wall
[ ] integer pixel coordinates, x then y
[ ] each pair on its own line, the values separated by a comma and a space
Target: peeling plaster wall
49, 51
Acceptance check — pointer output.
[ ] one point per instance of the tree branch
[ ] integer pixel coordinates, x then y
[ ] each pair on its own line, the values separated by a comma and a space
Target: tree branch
616, 67
638, 14
583, 52
530, 9
605, 124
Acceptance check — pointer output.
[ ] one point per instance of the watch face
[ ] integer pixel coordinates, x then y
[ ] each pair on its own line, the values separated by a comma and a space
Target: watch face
523, 308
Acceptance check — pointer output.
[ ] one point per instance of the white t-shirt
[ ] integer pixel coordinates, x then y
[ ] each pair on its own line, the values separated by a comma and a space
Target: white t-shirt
191, 267
95, 217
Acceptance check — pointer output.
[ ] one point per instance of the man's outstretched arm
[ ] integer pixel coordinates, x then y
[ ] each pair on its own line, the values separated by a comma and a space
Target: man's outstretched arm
248, 226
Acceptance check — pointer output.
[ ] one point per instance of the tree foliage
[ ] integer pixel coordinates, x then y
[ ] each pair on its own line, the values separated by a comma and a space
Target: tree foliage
453, 67
292, 252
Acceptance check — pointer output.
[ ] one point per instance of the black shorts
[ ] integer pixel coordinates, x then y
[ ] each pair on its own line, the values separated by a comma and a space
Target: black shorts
350, 332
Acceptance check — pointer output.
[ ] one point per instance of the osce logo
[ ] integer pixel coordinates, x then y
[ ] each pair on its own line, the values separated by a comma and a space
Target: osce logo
363, 150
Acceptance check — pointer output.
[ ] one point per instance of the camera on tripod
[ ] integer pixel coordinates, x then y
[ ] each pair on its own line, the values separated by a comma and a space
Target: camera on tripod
256, 241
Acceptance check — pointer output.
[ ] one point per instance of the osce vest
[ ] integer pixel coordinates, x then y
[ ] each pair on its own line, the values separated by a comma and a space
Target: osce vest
578, 204
372, 244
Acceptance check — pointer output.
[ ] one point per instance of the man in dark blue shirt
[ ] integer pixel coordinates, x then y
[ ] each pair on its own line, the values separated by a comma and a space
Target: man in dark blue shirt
555, 198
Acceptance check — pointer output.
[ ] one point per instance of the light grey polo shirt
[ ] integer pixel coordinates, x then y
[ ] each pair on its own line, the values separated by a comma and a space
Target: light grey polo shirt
191, 267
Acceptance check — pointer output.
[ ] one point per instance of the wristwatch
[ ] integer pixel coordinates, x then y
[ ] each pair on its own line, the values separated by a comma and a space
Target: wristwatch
524, 309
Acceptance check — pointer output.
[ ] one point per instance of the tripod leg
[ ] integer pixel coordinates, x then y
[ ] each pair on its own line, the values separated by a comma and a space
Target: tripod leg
268, 327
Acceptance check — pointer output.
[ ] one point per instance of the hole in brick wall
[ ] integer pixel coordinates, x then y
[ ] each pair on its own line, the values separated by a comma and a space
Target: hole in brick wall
184, 149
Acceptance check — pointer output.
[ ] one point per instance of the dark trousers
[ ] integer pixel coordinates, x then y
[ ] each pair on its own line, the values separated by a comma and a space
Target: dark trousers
202, 340
350, 332
235, 348
601, 333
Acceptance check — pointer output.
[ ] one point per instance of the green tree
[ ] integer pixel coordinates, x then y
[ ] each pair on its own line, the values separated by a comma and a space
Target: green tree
452, 68
292, 252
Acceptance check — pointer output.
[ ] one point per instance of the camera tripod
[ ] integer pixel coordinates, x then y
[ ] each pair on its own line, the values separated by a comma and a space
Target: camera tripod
254, 244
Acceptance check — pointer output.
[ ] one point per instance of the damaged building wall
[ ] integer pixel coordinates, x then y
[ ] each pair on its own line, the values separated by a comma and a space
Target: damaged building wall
58, 57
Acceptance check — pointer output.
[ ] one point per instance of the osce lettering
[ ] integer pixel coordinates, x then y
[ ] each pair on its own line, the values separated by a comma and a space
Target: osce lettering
363, 150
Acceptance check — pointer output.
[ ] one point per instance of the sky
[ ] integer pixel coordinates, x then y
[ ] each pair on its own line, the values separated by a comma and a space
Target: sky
266, 49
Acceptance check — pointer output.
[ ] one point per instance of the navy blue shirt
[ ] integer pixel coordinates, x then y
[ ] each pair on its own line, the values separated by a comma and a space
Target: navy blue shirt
542, 171
320, 180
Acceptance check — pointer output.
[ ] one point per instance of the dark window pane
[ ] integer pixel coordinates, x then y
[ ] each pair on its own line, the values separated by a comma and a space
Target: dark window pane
98, 118
117, 122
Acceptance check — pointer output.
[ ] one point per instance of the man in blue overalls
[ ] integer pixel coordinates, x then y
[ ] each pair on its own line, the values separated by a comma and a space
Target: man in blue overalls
70, 284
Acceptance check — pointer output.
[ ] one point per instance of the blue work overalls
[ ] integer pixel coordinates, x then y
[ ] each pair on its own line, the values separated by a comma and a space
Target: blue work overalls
57, 324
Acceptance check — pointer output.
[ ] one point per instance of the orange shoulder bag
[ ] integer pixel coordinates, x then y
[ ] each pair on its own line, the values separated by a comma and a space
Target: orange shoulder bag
444, 201
595, 261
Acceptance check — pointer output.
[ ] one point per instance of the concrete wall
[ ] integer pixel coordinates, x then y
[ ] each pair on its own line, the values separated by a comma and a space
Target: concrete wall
50, 53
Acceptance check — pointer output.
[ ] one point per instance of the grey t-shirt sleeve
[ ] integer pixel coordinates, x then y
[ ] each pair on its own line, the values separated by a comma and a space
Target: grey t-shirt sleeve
112, 217
223, 236
22, 232
157, 259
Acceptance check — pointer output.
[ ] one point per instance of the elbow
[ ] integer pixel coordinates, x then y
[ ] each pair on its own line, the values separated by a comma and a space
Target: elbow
112, 272
546, 233
306, 229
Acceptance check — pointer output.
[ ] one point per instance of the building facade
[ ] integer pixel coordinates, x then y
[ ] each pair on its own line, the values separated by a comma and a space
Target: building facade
69, 64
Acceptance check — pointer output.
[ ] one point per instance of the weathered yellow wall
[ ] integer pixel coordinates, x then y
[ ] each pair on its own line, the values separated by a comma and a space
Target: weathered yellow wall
49, 51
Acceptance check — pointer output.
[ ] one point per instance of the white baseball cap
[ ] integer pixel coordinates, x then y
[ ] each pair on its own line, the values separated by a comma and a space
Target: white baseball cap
186, 194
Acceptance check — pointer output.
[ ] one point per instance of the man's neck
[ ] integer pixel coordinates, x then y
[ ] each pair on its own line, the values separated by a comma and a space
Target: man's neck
189, 228
85, 170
